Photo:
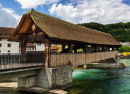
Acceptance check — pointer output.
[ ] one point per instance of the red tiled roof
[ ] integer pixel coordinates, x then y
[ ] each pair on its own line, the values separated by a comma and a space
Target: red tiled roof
31, 45
5, 32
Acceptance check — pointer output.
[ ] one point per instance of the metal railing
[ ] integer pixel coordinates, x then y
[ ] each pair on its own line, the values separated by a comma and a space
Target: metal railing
9, 58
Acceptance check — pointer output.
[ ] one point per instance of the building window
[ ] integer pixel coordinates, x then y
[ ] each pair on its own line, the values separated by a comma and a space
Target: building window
0, 45
8, 51
9, 45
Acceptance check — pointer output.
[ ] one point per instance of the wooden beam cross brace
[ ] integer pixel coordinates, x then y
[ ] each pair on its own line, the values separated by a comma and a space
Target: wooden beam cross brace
23, 52
47, 53
30, 38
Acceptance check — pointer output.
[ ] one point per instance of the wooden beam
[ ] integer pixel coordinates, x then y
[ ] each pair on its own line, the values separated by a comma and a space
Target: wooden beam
23, 52
85, 48
70, 49
63, 46
96, 48
47, 53
103, 48
108, 46
75, 51
30, 38
113, 47
117, 47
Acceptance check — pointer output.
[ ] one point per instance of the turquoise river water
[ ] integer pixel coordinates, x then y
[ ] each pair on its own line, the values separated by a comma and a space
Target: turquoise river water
97, 81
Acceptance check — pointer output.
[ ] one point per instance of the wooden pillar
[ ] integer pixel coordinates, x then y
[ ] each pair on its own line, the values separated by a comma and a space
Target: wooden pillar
70, 49
103, 48
117, 47
96, 49
63, 47
47, 53
23, 52
85, 48
75, 51
108, 47
113, 48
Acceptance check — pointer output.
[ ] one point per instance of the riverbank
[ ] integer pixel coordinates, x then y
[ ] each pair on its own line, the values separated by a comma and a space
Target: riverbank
125, 57
13, 86
105, 66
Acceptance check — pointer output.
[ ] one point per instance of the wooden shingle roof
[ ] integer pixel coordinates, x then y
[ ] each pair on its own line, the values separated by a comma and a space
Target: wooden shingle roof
60, 29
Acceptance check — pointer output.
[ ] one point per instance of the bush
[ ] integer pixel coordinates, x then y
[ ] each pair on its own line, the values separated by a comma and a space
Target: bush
124, 49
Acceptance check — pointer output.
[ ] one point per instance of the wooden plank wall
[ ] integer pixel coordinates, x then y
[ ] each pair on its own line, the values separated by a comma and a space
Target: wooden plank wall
77, 59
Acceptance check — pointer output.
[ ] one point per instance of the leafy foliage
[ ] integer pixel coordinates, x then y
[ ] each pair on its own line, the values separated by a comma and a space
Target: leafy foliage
120, 31
124, 49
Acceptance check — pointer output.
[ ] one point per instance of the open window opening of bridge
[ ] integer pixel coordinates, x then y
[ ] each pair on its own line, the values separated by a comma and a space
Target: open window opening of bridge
36, 27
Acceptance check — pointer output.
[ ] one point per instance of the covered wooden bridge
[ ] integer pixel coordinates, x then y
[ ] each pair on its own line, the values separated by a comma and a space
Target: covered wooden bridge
36, 27
55, 70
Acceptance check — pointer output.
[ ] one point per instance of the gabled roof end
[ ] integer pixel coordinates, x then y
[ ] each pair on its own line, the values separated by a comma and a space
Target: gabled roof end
29, 12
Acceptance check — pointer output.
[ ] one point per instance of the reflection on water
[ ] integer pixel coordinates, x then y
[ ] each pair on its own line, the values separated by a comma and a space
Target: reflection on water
98, 81
102, 81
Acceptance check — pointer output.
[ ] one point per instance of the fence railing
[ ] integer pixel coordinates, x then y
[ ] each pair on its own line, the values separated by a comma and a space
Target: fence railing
8, 59
35, 58
77, 59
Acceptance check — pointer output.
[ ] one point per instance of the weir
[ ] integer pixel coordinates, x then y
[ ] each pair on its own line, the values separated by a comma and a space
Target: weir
54, 70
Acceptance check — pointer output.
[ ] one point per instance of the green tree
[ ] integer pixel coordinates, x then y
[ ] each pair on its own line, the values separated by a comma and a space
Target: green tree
120, 31
124, 49
119, 34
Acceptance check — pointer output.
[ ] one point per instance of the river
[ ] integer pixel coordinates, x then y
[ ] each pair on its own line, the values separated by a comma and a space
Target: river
97, 81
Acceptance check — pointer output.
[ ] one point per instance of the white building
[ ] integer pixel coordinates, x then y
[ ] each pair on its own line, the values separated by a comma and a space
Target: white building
125, 43
6, 46
40, 47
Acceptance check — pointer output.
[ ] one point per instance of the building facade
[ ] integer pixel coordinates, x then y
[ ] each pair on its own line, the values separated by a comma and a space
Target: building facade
7, 46
125, 43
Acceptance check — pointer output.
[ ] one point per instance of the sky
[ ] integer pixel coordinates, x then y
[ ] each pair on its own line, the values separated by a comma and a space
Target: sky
74, 11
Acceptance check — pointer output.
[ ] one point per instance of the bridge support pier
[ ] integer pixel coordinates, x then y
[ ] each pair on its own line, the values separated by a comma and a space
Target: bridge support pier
26, 82
85, 66
54, 78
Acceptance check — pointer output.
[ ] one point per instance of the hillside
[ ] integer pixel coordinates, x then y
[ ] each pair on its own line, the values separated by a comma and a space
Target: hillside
120, 31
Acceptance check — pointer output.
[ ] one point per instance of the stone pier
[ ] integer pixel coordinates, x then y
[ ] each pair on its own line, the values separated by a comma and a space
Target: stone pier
54, 78
47, 79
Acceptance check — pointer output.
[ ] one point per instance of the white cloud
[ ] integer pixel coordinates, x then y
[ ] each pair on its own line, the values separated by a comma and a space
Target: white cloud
10, 11
34, 3
101, 11
6, 19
